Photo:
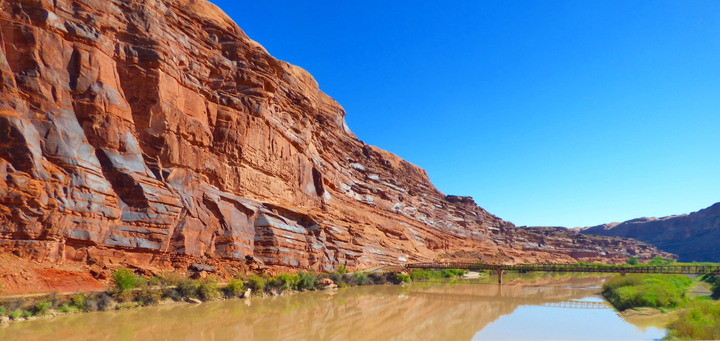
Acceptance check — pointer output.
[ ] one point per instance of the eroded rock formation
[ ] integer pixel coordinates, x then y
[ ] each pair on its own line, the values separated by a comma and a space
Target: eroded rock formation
155, 133
693, 237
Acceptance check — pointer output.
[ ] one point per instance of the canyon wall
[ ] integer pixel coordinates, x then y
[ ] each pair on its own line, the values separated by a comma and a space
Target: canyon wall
693, 237
155, 134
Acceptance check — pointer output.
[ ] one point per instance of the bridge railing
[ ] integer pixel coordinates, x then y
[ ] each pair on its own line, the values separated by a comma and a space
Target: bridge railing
665, 269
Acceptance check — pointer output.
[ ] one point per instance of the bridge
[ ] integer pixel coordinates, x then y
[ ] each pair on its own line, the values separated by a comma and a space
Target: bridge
578, 305
514, 300
604, 268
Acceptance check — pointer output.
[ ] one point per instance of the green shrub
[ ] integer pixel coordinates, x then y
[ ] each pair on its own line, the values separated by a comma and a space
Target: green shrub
148, 296
124, 296
306, 280
234, 288
156, 281
361, 278
41, 308
632, 261
126, 280
172, 293
256, 283
167, 279
450, 273
654, 291
349, 280
68, 308
403, 278
187, 288
714, 280
659, 261
3, 311
284, 281
207, 289
420, 274
79, 301
623, 281
27, 313
700, 321
336, 277
16, 314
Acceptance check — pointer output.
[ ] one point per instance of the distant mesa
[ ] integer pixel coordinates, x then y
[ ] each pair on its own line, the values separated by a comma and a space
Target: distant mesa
693, 237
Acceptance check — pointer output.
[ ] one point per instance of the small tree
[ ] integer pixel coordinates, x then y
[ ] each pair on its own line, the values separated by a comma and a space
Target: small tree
41, 308
256, 283
126, 279
633, 260
234, 288
306, 280
659, 261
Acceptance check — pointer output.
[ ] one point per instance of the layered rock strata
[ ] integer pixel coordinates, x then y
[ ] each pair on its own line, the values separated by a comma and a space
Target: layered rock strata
155, 133
693, 237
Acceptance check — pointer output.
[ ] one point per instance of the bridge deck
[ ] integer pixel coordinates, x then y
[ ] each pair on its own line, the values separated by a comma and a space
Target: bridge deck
667, 269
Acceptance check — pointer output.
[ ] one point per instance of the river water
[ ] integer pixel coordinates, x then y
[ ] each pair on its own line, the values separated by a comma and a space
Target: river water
541, 309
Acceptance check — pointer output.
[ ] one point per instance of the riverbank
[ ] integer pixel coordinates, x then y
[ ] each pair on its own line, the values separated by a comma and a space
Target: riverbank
131, 290
696, 314
436, 309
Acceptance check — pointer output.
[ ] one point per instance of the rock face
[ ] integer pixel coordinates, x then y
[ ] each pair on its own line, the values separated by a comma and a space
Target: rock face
583, 246
155, 133
693, 237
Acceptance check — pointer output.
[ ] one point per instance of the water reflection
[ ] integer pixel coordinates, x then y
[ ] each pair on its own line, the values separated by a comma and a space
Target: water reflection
423, 311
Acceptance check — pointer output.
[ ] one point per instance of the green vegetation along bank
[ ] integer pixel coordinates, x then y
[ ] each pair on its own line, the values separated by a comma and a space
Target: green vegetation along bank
698, 317
653, 291
131, 290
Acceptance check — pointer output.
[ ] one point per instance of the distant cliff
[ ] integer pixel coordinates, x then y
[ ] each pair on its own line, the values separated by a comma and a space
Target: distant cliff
155, 133
693, 237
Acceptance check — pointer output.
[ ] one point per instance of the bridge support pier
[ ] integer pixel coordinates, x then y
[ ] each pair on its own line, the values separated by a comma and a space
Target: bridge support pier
499, 274
622, 273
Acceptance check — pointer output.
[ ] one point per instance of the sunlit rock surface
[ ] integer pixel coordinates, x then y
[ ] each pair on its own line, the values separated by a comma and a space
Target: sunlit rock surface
155, 133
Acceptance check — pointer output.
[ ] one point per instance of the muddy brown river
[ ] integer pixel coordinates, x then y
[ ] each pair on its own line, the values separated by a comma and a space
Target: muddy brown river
541, 309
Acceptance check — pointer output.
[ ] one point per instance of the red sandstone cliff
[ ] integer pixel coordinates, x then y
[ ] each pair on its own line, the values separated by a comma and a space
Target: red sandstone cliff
155, 133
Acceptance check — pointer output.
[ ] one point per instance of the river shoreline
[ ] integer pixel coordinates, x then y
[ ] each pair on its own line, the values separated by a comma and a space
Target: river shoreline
166, 302
514, 280
683, 302
246, 295
129, 293
437, 309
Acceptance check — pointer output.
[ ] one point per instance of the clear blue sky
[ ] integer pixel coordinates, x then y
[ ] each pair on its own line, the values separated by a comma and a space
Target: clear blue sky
569, 113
